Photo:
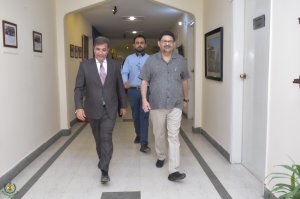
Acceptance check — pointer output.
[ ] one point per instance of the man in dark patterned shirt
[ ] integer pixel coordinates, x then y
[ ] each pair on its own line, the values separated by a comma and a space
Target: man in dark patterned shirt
167, 74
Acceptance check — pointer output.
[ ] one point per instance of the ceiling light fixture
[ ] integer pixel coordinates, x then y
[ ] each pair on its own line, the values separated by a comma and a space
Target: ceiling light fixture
191, 23
115, 10
131, 18
134, 32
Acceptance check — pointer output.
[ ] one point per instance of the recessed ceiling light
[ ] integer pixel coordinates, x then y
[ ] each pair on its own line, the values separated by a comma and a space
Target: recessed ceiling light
131, 18
134, 32
179, 23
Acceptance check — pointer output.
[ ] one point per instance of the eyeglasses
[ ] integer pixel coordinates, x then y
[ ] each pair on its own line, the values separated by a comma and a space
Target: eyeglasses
167, 42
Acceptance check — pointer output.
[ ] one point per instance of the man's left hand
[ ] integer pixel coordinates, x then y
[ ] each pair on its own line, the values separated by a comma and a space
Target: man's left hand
122, 112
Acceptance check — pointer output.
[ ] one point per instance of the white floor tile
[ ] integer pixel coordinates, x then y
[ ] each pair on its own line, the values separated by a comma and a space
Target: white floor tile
75, 174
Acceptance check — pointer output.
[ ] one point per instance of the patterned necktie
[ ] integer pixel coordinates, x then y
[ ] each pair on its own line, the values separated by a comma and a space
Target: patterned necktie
102, 74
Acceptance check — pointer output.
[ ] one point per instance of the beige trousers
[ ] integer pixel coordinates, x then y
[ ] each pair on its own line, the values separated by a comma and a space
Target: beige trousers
170, 119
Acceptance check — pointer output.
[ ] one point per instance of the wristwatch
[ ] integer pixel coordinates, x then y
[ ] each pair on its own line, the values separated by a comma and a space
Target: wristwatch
186, 100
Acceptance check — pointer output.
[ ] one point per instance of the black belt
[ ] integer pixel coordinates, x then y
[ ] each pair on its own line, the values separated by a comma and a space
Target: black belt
135, 87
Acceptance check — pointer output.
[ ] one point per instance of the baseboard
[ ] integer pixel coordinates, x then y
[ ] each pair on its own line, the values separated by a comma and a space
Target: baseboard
74, 121
11, 174
268, 194
213, 142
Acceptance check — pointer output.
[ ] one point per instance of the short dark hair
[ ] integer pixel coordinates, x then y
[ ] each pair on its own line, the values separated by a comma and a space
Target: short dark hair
101, 40
166, 32
139, 36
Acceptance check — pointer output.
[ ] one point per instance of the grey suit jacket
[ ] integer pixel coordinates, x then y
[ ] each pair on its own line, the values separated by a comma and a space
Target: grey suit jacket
89, 92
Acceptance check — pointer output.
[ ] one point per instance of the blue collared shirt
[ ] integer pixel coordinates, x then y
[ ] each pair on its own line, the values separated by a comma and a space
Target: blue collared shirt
132, 68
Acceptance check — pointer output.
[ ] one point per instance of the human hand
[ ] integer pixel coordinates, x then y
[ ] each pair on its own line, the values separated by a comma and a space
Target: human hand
122, 112
146, 106
127, 85
80, 114
185, 104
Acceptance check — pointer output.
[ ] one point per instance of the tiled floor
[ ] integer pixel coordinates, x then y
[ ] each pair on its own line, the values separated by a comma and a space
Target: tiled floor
75, 174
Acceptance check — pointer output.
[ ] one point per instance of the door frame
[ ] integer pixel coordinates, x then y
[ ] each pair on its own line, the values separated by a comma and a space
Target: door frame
238, 16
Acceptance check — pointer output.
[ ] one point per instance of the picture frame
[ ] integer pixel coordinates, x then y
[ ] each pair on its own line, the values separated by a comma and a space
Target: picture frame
10, 34
76, 51
79, 52
85, 47
180, 50
72, 50
37, 40
214, 54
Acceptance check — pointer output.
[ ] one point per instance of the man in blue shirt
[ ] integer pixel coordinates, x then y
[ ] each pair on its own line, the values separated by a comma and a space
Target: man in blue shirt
130, 74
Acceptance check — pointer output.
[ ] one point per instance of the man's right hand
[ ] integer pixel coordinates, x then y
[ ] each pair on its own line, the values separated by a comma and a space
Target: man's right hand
127, 85
80, 114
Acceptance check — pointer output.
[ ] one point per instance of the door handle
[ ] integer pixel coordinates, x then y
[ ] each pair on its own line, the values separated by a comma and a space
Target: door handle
243, 76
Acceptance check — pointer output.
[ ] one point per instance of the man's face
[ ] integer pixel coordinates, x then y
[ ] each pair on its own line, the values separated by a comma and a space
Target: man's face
101, 52
166, 44
139, 44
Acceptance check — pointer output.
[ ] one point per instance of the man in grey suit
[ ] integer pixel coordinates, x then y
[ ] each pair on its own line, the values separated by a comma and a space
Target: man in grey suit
99, 81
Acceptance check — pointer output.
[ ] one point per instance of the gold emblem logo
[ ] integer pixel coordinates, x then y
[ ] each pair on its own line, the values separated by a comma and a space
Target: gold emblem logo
9, 189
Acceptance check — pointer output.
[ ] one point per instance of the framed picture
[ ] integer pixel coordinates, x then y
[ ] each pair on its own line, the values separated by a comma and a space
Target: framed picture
72, 50
37, 41
85, 47
79, 52
10, 36
214, 54
76, 51
180, 50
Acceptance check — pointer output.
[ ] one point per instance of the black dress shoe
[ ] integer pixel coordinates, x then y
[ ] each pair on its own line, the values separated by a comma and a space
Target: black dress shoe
105, 179
137, 140
160, 163
176, 176
144, 148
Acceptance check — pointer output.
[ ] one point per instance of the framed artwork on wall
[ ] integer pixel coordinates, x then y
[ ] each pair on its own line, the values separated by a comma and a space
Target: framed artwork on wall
79, 52
214, 54
72, 50
37, 41
76, 51
10, 34
85, 47
180, 50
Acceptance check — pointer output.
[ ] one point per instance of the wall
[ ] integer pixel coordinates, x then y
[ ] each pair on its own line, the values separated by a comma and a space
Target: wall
217, 96
29, 93
185, 36
75, 27
284, 96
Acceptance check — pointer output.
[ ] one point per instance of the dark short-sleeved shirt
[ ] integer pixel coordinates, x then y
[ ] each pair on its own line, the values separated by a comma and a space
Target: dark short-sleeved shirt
165, 80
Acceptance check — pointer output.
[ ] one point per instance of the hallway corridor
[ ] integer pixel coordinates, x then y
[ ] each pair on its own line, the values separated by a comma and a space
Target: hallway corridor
74, 174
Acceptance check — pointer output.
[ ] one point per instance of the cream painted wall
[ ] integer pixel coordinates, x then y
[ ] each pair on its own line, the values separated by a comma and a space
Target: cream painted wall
185, 36
62, 8
75, 27
284, 96
217, 96
29, 93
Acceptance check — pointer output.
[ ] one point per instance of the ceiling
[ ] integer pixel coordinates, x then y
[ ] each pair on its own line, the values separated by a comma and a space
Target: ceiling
156, 18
